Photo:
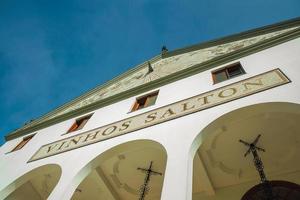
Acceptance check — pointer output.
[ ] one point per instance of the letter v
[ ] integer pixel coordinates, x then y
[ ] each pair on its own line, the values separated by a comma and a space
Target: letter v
50, 148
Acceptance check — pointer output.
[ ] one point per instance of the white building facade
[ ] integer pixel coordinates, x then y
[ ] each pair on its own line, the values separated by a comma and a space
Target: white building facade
185, 111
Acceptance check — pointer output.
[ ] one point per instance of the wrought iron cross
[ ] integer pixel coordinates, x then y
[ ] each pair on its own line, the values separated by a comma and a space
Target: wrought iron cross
256, 159
149, 172
259, 166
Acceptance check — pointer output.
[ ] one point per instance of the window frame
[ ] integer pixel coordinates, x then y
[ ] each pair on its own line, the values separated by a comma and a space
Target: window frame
135, 106
225, 68
23, 142
83, 121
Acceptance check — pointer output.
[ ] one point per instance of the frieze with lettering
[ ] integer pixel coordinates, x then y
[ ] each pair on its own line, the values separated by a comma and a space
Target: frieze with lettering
178, 109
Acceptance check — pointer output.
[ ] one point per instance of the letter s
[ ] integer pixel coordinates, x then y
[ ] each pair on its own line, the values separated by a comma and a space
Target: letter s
151, 117
125, 125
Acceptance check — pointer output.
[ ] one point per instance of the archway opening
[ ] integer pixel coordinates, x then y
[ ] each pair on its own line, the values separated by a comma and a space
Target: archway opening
34, 185
220, 170
115, 175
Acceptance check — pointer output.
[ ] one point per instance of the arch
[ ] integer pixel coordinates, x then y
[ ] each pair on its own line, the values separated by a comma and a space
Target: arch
217, 149
38, 183
275, 106
115, 171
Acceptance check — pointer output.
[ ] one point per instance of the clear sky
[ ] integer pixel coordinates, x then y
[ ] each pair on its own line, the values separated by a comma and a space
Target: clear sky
53, 51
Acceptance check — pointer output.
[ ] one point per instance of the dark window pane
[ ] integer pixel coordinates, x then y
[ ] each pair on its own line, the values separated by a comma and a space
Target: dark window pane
228, 72
141, 102
220, 76
234, 71
79, 123
145, 101
82, 123
151, 100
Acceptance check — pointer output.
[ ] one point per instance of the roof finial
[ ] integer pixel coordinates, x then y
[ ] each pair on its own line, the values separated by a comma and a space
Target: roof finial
164, 49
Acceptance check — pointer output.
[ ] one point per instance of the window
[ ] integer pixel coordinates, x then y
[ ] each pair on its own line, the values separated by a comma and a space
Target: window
23, 142
79, 123
145, 101
228, 72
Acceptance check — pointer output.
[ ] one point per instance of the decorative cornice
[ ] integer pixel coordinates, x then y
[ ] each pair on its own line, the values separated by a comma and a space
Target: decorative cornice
172, 77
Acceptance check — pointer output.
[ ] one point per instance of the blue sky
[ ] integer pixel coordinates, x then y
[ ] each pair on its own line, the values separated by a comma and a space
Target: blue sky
53, 51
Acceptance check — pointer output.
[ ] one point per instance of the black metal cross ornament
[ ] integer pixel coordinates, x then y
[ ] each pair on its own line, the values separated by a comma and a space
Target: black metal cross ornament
256, 159
267, 188
149, 172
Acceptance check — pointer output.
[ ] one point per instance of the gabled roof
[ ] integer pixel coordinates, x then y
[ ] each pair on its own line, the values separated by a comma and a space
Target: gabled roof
169, 67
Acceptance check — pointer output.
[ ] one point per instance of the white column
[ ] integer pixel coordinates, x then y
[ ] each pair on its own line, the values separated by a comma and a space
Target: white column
178, 175
67, 184
63, 189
